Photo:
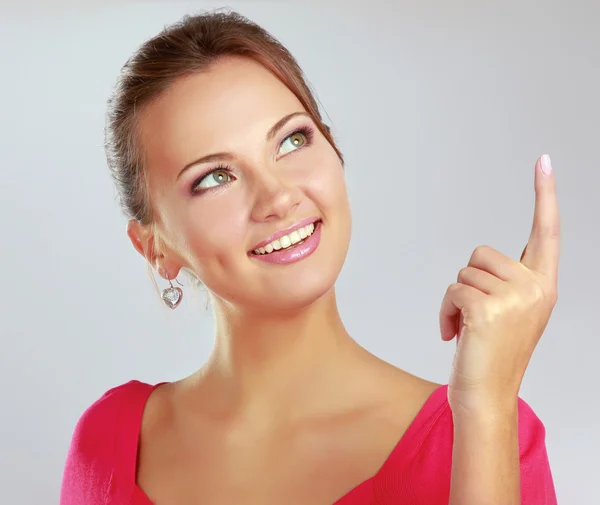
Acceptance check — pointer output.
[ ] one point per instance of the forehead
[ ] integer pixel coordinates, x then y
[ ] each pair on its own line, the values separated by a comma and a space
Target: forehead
237, 99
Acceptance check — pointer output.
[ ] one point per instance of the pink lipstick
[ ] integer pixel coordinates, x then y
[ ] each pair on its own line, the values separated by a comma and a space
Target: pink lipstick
294, 252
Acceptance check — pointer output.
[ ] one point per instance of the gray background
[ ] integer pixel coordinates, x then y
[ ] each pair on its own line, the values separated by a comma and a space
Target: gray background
441, 109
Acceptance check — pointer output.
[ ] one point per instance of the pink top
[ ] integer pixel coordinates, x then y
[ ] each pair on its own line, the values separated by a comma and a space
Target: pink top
101, 463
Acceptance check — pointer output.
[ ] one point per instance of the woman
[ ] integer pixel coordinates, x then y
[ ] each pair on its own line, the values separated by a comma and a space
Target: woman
226, 171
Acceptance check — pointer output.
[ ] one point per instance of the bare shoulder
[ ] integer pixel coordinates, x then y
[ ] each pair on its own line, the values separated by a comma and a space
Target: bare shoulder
404, 391
415, 391
157, 401
156, 417
418, 387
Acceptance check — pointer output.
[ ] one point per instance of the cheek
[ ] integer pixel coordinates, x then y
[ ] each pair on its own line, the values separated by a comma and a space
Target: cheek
214, 229
326, 184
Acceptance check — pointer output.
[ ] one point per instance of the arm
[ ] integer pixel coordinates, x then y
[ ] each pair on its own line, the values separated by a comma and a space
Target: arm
485, 459
501, 458
498, 310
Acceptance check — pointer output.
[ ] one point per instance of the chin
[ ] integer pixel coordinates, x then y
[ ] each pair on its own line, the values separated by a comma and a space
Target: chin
302, 293
286, 291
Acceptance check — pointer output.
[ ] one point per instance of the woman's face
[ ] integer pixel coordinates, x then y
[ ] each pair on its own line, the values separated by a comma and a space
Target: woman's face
227, 171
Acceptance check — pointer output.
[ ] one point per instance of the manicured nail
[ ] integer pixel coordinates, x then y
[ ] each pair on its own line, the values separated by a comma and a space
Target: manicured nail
546, 164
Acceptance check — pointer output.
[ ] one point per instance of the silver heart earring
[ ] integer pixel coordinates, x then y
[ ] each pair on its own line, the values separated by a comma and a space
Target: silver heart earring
172, 295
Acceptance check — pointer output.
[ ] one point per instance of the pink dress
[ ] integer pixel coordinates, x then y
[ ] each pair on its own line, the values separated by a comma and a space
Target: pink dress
101, 463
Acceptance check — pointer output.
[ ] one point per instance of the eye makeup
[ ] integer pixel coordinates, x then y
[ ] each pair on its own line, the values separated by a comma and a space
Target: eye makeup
307, 131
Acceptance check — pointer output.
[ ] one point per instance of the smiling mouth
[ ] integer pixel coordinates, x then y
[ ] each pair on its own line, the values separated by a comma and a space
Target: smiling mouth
289, 241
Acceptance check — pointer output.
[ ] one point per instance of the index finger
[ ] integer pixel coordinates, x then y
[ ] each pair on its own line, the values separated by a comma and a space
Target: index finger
543, 247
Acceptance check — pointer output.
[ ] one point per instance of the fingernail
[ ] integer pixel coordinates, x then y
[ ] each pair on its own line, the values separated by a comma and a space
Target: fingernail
546, 164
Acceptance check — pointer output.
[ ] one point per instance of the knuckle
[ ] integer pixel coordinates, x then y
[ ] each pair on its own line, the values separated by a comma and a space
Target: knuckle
551, 294
463, 273
480, 251
453, 288
536, 292
516, 299
482, 312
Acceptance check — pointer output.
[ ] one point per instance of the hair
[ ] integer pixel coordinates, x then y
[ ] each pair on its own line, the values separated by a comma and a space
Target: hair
189, 46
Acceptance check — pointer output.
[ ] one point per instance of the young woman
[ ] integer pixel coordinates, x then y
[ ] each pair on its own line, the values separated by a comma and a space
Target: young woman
226, 171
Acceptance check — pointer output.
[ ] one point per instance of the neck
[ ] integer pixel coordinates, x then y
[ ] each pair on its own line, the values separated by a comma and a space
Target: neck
295, 363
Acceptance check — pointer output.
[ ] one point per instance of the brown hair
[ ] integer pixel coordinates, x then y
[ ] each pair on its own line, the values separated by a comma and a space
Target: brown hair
188, 46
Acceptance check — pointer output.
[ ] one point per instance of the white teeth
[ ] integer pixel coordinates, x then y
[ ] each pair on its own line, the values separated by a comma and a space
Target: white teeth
287, 240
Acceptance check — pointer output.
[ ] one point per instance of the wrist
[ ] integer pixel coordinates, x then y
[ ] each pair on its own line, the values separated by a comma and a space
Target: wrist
483, 401
486, 413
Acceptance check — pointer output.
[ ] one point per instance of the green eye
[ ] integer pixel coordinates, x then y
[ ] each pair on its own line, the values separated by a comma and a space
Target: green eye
293, 142
213, 179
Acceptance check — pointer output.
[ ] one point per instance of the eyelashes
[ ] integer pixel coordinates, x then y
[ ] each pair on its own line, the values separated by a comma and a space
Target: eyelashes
307, 131
221, 167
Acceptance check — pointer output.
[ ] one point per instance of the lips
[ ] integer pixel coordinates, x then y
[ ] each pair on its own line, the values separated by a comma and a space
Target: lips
273, 253
284, 232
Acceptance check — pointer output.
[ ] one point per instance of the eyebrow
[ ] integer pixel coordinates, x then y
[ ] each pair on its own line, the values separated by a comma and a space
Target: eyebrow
225, 156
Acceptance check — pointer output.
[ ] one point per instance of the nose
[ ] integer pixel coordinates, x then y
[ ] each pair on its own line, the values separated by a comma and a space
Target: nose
275, 198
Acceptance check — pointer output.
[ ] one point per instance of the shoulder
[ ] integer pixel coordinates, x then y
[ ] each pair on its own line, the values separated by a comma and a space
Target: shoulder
394, 384
91, 454
99, 420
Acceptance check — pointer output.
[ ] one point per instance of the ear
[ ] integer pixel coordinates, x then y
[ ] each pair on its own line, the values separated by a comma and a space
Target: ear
144, 242
138, 236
